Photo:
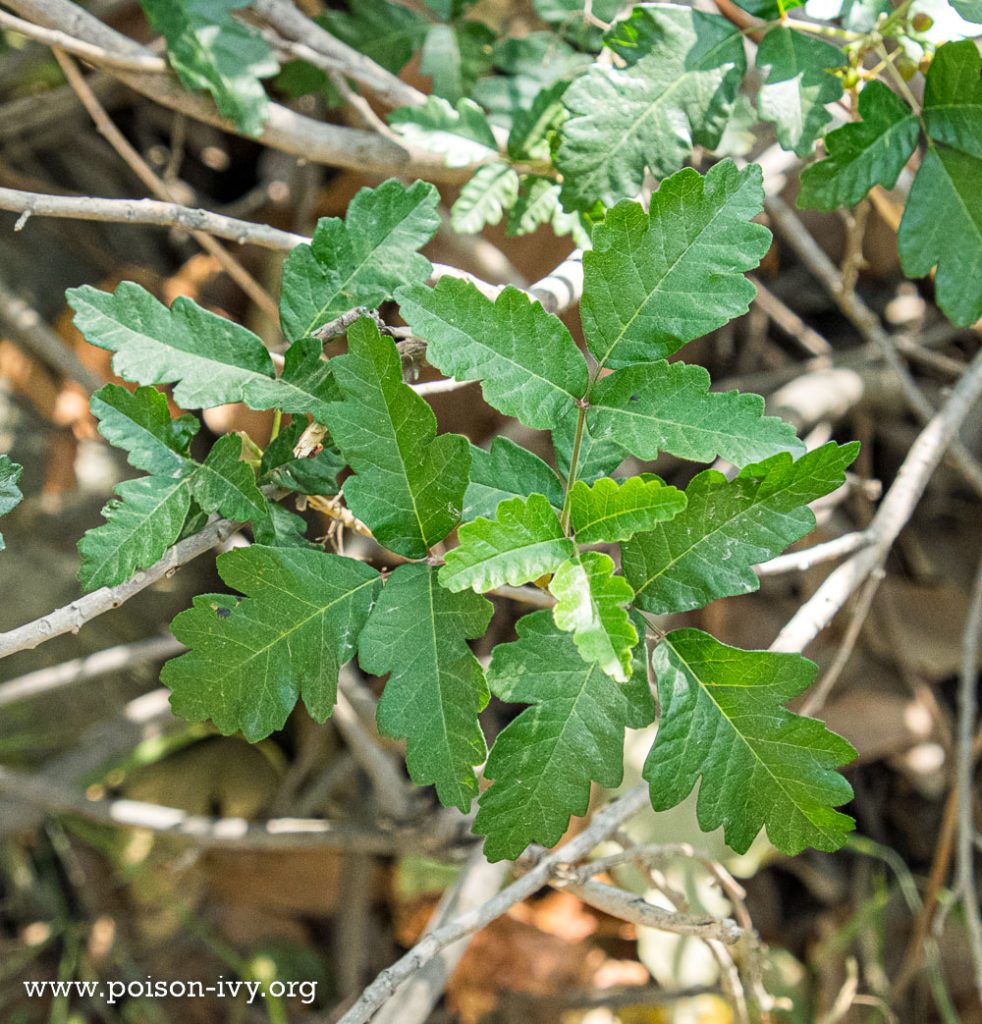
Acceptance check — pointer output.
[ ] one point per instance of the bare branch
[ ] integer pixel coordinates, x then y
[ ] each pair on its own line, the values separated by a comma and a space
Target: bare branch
799, 561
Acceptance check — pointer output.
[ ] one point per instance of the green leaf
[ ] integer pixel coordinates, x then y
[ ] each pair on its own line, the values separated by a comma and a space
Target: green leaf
608, 511
387, 33
769, 10
527, 362
668, 407
227, 485
684, 70
409, 487
10, 495
543, 762
655, 281
140, 423
361, 260
418, 631
591, 604
484, 199
942, 225
249, 662
460, 134
523, 542
507, 471
597, 458
869, 152
215, 52
721, 719
315, 475
537, 203
729, 526
798, 85
570, 18
970, 10
456, 56
533, 125
141, 524
953, 97
305, 386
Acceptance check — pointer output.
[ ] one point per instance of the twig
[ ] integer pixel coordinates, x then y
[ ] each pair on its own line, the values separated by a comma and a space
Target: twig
965, 773
893, 514
160, 188
789, 322
799, 561
224, 833
72, 617
113, 659
146, 211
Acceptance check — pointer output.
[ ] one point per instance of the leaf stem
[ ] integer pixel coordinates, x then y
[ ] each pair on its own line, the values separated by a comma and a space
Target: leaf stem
277, 420
573, 460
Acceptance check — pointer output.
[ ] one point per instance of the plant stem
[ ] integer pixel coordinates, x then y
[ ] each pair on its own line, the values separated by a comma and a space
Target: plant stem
277, 420
573, 460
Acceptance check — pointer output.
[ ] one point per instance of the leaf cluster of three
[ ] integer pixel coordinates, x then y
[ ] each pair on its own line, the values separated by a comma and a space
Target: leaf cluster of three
652, 282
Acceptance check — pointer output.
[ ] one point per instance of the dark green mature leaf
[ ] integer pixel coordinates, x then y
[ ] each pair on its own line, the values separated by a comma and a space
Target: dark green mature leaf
210, 360
10, 495
591, 604
709, 550
534, 124
684, 70
249, 662
523, 542
315, 475
597, 458
860, 155
668, 407
484, 199
306, 384
953, 98
543, 763
721, 719
140, 424
418, 631
225, 484
461, 134
361, 260
456, 56
387, 33
655, 281
798, 85
141, 524
769, 10
942, 225
527, 362
409, 487
507, 471
609, 511
213, 51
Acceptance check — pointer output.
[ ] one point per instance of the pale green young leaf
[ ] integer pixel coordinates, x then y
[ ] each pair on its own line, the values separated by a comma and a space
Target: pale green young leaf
507, 471
544, 762
523, 542
668, 407
654, 281
526, 359
139, 422
250, 661
225, 484
456, 56
484, 199
708, 551
418, 632
409, 484
953, 97
361, 260
942, 226
798, 85
210, 360
869, 152
461, 133
684, 70
215, 52
722, 720
142, 522
591, 604
10, 495
608, 511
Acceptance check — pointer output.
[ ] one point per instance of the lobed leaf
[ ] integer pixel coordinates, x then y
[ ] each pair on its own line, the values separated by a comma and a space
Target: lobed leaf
225, 484
251, 660
10, 495
409, 484
709, 550
461, 133
507, 471
418, 632
608, 511
484, 199
523, 542
544, 762
456, 56
722, 720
